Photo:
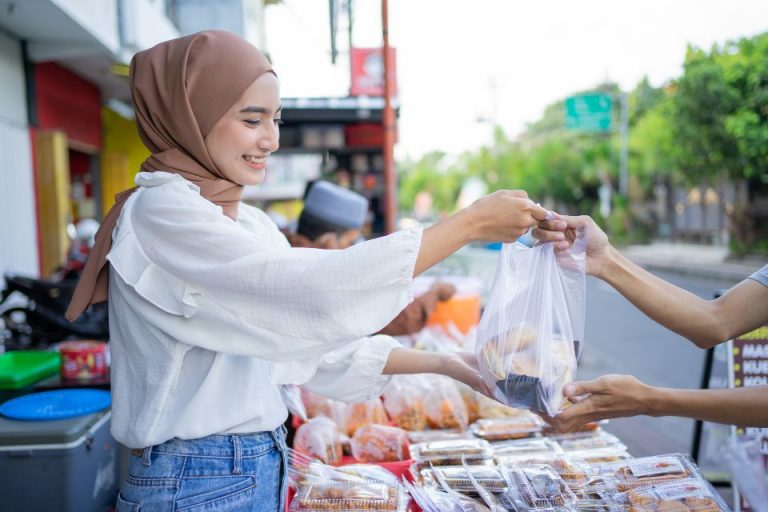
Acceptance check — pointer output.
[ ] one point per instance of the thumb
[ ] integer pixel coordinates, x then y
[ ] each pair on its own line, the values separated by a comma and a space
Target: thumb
576, 389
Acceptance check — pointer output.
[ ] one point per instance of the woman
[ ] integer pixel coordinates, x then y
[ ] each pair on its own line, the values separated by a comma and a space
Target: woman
211, 310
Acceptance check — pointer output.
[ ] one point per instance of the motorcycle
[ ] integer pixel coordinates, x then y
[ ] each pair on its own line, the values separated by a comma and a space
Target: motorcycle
32, 310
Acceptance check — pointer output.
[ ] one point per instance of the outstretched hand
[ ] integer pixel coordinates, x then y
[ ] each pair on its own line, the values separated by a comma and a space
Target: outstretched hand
463, 367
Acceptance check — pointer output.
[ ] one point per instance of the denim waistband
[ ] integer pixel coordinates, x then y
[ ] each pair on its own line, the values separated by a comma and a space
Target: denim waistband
221, 445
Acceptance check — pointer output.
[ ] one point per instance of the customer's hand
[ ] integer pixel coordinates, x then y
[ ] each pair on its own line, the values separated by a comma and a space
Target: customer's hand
463, 367
610, 396
598, 247
503, 216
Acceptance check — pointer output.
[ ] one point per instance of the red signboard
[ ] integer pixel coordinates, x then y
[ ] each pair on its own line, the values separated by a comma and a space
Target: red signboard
368, 72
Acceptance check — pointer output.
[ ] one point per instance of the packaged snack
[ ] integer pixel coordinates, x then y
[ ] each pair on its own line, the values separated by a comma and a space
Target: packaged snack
537, 488
364, 413
379, 443
531, 331
444, 405
647, 471
471, 401
293, 400
458, 479
689, 494
502, 429
451, 452
319, 438
509, 452
438, 435
316, 405
347, 496
600, 455
403, 402
588, 441
574, 473
490, 409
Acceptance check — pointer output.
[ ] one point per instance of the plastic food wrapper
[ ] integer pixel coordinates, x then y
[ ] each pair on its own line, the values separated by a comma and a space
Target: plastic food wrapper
537, 488
432, 499
647, 471
458, 477
743, 457
689, 494
316, 405
364, 413
588, 441
427, 436
502, 429
510, 452
575, 473
471, 401
532, 329
379, 443
291, 394
349, 497
404, 403
444, 405
491, 409
319, 438
601, 455
451, 452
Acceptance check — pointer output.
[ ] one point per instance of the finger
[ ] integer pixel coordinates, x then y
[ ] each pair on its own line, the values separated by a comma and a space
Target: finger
582, 388
519, 193
539, 213
544, 235
553, 225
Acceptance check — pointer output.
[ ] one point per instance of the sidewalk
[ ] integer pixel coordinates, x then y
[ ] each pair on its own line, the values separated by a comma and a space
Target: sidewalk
692, 259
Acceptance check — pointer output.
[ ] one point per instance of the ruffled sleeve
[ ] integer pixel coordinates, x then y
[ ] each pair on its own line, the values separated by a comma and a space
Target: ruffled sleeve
243, 291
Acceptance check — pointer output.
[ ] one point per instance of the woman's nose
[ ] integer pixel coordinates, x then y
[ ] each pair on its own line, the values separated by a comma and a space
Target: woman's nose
271, 139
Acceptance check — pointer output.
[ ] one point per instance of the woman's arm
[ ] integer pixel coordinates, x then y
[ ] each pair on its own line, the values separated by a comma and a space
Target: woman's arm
461, 366
618, 396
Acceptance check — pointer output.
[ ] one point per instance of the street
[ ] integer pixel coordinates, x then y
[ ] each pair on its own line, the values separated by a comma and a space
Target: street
620, 339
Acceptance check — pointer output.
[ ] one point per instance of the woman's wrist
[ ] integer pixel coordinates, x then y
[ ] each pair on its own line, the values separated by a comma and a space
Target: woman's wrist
467, 224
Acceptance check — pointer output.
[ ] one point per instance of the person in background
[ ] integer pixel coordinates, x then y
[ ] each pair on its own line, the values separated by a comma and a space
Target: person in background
333, 218
705, 322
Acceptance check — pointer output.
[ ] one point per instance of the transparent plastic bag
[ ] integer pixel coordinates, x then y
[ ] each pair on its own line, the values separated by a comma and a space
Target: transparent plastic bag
364, 413
319, 438
380, 443
404, 403
531, 331
746, 462
444, 405
291, 394
316, 405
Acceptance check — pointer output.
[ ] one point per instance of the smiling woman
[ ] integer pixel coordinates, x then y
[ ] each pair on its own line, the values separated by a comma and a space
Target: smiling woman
211, 310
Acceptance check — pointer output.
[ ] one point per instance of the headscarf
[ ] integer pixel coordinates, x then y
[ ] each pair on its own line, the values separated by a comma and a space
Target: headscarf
180, 89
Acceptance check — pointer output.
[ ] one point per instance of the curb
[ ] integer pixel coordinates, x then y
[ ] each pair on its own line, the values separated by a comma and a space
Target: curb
710, 272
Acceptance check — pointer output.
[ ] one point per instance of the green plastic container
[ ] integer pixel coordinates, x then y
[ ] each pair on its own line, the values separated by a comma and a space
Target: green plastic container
22, 368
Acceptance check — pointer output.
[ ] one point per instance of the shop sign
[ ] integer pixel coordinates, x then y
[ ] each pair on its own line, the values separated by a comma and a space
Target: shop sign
749, 367
368, 72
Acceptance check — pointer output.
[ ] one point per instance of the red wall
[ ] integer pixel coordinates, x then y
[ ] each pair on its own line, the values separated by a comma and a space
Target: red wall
68, 102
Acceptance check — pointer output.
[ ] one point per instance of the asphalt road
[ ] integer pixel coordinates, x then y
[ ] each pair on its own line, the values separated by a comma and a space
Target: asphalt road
620, 339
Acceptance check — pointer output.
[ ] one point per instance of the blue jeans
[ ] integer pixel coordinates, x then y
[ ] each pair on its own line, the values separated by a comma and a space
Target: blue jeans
220, 472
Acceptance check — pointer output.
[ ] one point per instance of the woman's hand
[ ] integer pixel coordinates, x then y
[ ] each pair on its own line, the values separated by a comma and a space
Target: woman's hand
463, 367
503, 216
610, 396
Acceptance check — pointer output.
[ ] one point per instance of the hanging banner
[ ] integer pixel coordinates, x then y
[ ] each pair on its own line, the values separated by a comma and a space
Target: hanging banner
368, 72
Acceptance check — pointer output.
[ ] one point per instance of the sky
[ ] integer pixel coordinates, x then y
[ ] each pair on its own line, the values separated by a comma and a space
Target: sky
461, 66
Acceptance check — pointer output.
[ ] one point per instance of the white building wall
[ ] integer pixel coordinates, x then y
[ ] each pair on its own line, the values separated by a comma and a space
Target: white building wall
98, 17
18, 218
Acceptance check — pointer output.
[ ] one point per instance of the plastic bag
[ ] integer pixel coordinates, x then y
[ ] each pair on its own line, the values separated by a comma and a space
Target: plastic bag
364, 413
379, 443
444, 405
319, 438
745, 461
531, 331
291, 394
316, 405
404, 404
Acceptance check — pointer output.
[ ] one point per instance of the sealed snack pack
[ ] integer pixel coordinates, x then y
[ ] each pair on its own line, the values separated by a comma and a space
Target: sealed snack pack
427, 436
588, 441
537, 488
364, 413
404, 403
319, 438
380, 443
316, 405
348, 497
458, 477
647, 471
444, 405
487, 408
450, 453
502, 429
689, 494
532, 329
511, 452
574, 473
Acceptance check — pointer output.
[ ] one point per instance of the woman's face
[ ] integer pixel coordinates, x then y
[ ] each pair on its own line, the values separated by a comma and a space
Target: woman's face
241, 141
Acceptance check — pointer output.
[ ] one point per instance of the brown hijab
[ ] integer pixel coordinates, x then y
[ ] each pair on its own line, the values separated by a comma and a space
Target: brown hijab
180, 88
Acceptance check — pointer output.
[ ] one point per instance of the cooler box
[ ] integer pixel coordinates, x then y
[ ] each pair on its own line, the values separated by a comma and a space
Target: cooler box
64, 465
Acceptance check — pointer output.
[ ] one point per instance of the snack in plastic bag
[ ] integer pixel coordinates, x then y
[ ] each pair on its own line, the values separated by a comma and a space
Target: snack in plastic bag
502, 429
291, 395
537, 488
403, 402
444, 405
316, 405
457, 477
319, 438
532, 328
509, 452
426, 436
685, 495
451, 452
379, 443
364, 413
471, 401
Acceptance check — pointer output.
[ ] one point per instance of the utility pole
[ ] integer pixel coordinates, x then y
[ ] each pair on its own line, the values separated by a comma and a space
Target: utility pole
388, 121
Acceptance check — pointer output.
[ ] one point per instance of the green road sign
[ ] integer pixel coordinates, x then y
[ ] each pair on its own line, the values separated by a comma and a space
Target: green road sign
589, 113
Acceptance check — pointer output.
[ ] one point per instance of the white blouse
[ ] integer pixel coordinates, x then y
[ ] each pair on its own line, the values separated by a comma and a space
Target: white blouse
208, 316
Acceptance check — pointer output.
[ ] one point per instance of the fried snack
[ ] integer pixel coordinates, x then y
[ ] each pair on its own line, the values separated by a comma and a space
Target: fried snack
346, 496
364, 413
403, 403
316, 405
445, 407
541, 487
685, 495
319, 438
498, 354
647, 471
379, 443
456, 477
519, 427
450, 453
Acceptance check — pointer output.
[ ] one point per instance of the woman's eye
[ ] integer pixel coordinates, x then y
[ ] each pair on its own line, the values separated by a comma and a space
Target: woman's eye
252, 122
